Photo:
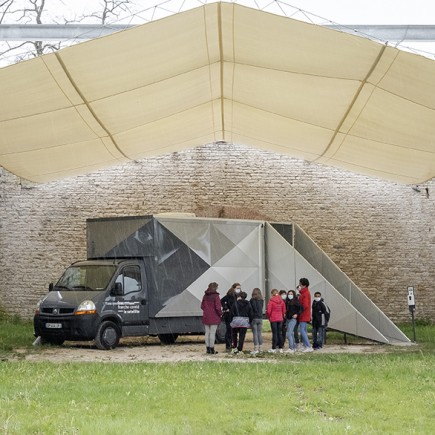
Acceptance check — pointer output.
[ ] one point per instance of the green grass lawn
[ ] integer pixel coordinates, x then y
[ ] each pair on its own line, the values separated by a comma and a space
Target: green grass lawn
392, 392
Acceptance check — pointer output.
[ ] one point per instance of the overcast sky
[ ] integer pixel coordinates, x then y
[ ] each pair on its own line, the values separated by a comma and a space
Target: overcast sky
340, 11
316, 11
371, 11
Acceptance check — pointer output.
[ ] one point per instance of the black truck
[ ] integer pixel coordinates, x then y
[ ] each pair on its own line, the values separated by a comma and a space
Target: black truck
145, 275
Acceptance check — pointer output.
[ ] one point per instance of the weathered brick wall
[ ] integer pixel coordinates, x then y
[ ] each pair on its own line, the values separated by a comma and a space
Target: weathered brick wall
380, 234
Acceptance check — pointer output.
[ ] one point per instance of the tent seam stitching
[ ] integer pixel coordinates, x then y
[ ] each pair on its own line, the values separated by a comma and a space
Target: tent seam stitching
91, 111
357, 94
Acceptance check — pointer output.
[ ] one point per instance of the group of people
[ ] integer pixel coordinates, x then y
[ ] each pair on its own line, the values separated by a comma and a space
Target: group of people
286, 311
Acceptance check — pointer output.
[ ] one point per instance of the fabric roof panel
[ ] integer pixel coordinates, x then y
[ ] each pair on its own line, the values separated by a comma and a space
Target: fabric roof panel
139, 56
413, 78
405, 178
254, 125
156, 101
277, 42
188, 143
385, 158
393, 120
315, 100
70, 159
159, 136
46, 130
27, 88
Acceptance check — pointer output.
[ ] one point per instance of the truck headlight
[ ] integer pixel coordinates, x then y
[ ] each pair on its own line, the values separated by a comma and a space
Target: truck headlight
38, 305
86, 307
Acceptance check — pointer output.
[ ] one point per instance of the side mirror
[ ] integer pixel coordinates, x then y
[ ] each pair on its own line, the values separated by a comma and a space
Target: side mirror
50, 287
117, 289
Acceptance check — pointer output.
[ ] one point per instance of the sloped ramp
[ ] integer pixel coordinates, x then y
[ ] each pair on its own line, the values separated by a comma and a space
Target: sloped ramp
355, 314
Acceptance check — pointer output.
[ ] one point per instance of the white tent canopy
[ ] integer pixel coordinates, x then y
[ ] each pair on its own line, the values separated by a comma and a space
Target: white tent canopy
221, 72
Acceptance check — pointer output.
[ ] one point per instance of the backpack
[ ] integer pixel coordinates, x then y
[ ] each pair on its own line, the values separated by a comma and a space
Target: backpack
326, 315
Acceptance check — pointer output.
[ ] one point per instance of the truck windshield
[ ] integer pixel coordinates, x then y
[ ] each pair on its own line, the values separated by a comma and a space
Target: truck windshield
86, 278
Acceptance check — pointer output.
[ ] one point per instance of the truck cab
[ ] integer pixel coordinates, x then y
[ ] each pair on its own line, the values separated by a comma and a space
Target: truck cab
99, 300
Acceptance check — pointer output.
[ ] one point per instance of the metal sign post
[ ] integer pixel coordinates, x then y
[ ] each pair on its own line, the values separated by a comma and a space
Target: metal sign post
411, 306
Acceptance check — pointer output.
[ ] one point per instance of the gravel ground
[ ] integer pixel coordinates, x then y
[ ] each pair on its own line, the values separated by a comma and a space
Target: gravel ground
187, 348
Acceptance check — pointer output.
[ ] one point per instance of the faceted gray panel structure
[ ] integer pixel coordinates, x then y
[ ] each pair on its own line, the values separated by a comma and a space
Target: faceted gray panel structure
232, 248
182, 255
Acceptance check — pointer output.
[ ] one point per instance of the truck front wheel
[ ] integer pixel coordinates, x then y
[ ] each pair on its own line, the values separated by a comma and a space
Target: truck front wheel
108, 336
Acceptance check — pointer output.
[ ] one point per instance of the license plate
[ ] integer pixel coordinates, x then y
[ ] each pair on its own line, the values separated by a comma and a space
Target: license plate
53, 325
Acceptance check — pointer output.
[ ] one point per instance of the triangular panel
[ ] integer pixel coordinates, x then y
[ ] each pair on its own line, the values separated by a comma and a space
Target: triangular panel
194, 233
220, 244
132, 238
236, 233
182, 305
246, 253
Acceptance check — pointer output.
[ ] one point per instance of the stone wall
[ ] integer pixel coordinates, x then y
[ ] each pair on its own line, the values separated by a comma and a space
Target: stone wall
380, 234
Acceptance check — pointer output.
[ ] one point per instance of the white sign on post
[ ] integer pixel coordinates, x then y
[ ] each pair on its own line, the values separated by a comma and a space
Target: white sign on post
411, 300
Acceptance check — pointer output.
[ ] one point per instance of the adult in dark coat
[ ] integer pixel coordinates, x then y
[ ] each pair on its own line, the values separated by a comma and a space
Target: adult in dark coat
227, 302
211, 317
241, 308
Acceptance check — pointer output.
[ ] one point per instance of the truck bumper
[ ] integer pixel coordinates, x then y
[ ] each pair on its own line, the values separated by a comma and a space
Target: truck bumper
75, 328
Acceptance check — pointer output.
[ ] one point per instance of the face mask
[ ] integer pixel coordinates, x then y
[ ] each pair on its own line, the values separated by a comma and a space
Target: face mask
238, 290
290, 296
284, 297
317, 299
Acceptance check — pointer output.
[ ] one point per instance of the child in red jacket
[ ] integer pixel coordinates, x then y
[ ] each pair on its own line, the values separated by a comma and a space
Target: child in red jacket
275, 312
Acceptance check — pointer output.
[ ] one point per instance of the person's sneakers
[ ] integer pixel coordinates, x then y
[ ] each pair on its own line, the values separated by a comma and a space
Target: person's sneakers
307, 349
235, 350
290, 351
280, 350
272, 350
254, 352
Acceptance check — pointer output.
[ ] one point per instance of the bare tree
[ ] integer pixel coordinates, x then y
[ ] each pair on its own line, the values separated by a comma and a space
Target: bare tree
31, 11
112, 10
35, 11
4, 8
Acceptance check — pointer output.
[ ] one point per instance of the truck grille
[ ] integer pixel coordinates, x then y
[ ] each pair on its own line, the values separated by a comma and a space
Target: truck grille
56, 311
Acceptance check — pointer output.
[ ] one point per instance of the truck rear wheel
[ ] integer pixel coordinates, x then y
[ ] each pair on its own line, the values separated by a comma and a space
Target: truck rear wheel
220, 333
108, 336
167, 338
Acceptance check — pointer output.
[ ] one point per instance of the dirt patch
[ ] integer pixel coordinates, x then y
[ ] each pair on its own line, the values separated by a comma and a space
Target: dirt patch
188, 348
